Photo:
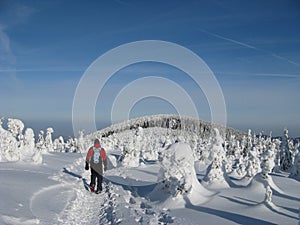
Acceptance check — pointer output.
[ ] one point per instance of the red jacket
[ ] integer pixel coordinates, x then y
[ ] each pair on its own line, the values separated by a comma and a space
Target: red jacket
98, 167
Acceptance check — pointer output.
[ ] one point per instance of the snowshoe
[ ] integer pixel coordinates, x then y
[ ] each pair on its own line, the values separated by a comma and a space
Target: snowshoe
98, 192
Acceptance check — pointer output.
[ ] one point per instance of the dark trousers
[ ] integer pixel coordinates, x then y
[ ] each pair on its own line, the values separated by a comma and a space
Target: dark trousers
99, 177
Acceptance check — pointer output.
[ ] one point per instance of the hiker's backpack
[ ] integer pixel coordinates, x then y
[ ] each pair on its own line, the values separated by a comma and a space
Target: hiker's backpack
97, 156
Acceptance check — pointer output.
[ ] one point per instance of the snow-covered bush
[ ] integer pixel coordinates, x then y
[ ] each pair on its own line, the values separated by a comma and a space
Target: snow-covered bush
253, 166
247, 144
277, 166
286, 155
59, 144
28, 152
8, 146
81, 142
177, 177
48, 140
203, 153
15, 126
15, 146
241, 167
296, 167
29, 140
268, 161
130, 155
41, 142
216, 172
177, 168
71, 145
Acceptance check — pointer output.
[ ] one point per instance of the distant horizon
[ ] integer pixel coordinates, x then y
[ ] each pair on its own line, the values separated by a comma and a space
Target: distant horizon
64, 128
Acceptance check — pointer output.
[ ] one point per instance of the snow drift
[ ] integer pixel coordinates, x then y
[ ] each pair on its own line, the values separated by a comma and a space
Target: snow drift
177, 179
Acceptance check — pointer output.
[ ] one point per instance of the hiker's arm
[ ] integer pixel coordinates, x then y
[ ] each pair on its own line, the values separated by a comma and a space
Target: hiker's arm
88, 158
89, 155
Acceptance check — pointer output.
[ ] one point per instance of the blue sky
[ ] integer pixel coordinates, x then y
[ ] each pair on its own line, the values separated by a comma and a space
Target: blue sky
253, 48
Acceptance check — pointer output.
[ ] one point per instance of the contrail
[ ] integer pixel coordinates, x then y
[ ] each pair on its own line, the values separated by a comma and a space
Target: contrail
228, 39
53, 69
285, 75
251, 47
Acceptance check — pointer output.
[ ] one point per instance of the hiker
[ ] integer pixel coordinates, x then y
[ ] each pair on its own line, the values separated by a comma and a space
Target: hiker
96, 157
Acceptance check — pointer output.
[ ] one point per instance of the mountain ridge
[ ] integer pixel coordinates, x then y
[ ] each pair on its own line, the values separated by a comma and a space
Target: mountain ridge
171, 121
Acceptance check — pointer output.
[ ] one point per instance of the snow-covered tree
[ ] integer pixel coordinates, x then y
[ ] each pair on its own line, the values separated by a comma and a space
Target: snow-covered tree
41, 141
48, 139
247, 144
15, 126
268, 160
149, 148
253, 166
81, 143
174, 170
28, 151
286, 155
241, 166
59, 144
8, 145
131, 157
72, 145
29, 140
295, 172
293, 150
177, 177
15, 146
216, 172
277, 166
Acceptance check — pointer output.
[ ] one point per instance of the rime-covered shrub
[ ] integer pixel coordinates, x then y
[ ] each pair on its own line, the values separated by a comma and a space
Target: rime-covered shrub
15, 146
48, 140
177, 169
8, 146
59, 144
253, 166
296, 167
286, 155
28, 151
268, 161
216, 171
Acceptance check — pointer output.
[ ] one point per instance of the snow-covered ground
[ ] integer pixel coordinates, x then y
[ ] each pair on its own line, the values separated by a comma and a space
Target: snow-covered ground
155, 176
54, 193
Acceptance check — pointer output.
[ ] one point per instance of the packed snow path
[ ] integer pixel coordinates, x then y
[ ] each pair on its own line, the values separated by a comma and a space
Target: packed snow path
115, 205
87, 207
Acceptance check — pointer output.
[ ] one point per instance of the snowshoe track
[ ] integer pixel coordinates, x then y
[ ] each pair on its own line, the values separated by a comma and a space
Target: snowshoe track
83, 209
114, 205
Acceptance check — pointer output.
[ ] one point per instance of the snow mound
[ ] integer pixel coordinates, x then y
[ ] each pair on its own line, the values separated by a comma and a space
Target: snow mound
177, 180
260, 184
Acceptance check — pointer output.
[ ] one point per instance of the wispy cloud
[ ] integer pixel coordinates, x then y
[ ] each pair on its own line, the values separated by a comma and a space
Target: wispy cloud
6, 54
45, 69
243, 44
13, 14
23, 12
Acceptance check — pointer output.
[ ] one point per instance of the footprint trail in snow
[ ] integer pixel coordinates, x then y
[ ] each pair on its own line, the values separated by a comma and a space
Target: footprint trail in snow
114, 205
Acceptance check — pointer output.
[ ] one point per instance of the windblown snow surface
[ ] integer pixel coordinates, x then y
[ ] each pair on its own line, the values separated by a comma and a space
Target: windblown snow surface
136, 193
